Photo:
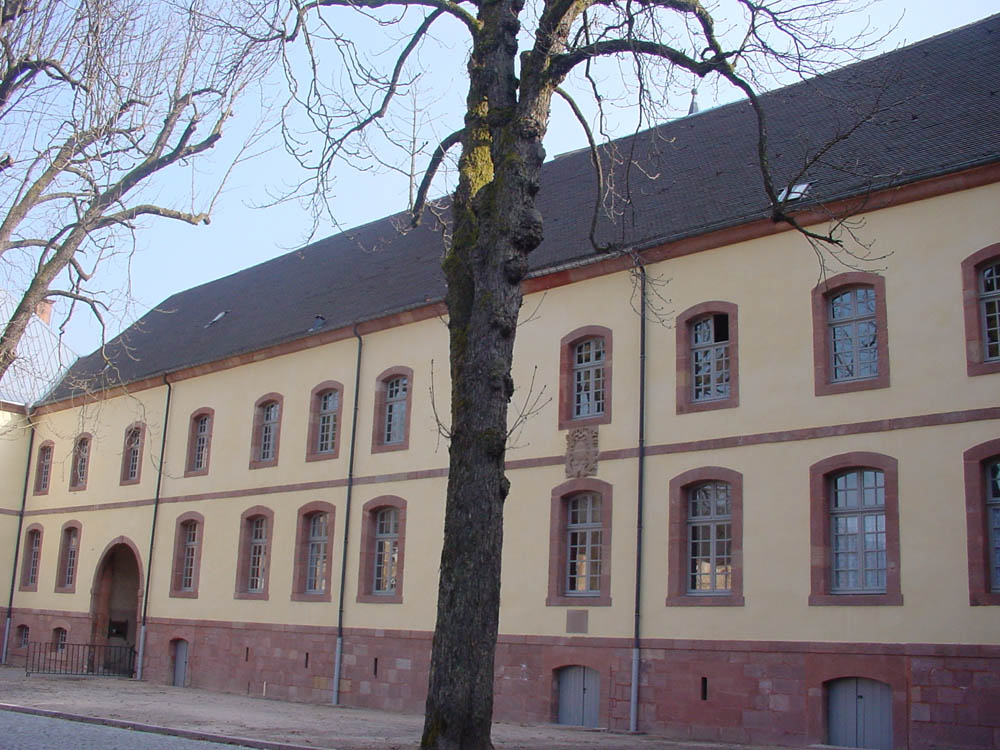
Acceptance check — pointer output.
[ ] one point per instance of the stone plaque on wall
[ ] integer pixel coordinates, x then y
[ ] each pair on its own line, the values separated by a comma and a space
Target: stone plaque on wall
581, 452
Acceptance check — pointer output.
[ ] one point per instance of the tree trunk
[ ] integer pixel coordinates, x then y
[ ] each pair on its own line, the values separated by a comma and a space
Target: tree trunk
496, 226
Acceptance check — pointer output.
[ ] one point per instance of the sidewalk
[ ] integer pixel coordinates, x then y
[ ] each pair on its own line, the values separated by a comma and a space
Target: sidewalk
274, 725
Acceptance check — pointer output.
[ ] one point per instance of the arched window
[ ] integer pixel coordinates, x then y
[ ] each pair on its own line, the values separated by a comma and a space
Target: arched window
132, 454
705, 540
982, 517
708, 357
81, 463
60, 637
199, 442
383, 537
323, 441
393, 406
585, 377
981, 303
43, 468
266, 435
850, 334
580, 544
855, 530
23, 636
69, 550
187, 555
253, 567
313, 553
30, 564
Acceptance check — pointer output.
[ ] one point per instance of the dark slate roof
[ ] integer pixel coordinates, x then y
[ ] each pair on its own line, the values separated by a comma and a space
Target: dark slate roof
937, 110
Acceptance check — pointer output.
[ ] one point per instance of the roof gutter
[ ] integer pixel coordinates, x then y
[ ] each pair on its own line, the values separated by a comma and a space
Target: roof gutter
17, 540
338, 655
152, 532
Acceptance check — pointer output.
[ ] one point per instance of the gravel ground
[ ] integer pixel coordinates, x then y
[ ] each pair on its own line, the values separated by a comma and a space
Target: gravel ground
294, 724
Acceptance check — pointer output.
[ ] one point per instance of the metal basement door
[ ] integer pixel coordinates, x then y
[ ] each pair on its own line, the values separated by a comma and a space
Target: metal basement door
579, 696
859, 713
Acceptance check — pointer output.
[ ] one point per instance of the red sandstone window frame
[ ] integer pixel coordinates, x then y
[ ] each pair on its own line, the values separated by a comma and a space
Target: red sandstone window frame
683, 324
825, 385
60, 639
181, 525
127, 449
558, 543
300, 571
77, 478
243, 562
366, 568
68, 568
24, 582
192, 446
678, 594
43, 468
256, 462
567, 350
312, 438
379, 420
820, 474
976, 364
975, 460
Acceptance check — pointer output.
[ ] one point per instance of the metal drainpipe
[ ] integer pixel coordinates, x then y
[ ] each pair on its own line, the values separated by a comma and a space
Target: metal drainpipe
152, 532
633, 714
17, 541
347, 525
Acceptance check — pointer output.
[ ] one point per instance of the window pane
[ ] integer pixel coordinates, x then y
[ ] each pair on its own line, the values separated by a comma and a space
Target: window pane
588, 378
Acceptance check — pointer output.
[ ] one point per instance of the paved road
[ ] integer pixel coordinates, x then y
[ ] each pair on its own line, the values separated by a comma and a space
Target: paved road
25, 732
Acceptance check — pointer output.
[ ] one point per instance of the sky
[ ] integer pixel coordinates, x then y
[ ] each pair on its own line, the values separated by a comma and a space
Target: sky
245, 230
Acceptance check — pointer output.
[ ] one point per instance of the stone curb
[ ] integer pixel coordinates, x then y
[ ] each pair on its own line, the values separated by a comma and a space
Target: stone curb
190, 734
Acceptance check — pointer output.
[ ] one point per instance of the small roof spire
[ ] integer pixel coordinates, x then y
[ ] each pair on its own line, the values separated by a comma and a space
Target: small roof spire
694, 101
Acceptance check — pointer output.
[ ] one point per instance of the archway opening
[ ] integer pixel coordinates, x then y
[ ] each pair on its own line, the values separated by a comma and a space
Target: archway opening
115, 606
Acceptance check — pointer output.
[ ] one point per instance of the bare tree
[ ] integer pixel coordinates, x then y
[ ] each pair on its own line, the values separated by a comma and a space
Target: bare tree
517, 55
98, 98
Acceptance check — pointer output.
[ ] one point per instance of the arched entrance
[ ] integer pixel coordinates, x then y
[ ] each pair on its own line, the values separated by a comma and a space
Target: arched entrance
115, 602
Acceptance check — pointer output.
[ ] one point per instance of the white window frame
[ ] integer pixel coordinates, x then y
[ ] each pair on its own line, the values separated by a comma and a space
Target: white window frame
588, 378
316, 553
710, 361
257, 554
584, 545
989, 310
386, 551
710, 539
858, 540
853, 334
326, 427
396, 395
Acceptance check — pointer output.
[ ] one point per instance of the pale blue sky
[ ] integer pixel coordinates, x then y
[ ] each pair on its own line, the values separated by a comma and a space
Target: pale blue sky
171, 257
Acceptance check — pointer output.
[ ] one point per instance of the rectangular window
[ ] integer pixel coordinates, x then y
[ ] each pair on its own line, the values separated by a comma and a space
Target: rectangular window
853, 335
268, 428
35, 556
989, 302
710, 358
858, 532
583, 545
326, 433
710, 539
71, 548
258, 551
316, 563
190, 552
588, 378
200, 443
386, 551
395, 410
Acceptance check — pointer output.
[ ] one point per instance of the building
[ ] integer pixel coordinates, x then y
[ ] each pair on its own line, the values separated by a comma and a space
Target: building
250, 488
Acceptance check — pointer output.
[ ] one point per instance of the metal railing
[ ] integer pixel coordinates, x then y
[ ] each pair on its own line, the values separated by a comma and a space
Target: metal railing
80, 659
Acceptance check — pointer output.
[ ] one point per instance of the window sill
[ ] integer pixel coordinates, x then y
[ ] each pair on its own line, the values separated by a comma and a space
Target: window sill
264, 464
389, 447
705, 600
593, 600
183, 594
328, 456
396, 598
831, 388
688, 406
257, 596
66, 589
304, 597
856, 600
571, 423
983, 368
196, 473
984, 599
